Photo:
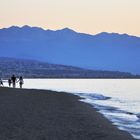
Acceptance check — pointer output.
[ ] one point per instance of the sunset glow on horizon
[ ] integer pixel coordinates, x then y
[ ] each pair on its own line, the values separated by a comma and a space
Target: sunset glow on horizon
88, 16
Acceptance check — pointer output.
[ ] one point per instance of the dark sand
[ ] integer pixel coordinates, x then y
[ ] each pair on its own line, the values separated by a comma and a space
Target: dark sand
47, 115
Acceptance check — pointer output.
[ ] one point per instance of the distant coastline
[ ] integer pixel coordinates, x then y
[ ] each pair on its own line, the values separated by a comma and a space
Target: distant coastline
38, 69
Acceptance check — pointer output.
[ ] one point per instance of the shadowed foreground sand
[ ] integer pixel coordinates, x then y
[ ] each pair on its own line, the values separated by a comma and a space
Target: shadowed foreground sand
47, 115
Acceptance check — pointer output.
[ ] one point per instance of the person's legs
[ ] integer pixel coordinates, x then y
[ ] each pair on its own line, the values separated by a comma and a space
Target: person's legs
20, 85
14, 84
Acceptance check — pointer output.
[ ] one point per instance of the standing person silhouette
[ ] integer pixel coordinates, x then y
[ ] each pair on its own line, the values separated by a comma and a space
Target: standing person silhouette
21, 82
13, 78
1, 82
9, 82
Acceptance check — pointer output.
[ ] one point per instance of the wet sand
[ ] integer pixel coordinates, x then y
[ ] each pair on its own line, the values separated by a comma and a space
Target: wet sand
48, 115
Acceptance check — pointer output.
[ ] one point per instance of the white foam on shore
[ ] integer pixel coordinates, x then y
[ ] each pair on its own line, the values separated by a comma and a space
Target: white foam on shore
124, 120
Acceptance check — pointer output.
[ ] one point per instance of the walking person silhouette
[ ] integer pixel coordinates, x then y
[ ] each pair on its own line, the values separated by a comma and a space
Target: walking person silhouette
1, 82
9, 82
21, 82
13, 78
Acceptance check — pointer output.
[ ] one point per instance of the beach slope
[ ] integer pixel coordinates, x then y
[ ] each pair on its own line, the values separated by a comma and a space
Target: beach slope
48, 115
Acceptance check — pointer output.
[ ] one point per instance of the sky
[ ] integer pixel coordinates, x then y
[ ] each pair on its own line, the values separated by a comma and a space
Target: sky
88, 16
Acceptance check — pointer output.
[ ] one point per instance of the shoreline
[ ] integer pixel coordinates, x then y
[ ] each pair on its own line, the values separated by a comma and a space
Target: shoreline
42, 114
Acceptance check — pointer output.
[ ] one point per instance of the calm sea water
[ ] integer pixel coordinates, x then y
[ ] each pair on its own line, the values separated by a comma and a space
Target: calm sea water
118, 100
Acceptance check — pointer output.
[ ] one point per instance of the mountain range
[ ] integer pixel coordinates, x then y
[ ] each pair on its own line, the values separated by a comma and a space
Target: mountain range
103, 51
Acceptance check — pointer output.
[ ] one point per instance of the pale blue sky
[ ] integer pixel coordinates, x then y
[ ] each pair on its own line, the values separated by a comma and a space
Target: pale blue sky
89, 16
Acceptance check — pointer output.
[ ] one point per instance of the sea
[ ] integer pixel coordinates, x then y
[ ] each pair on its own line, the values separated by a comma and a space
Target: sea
117, 99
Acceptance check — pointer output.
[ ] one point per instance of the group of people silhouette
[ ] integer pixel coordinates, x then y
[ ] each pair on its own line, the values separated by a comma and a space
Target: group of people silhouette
13, 80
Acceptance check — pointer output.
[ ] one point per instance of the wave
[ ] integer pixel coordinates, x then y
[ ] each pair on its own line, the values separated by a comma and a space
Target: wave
138, 115
93, 96
124, 120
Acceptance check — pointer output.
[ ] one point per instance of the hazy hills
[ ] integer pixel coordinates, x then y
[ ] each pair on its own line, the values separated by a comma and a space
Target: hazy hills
37, 69
104, 51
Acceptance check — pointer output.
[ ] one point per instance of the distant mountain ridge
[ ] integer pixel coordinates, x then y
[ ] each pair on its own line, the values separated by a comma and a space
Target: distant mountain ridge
37, 69
103, 51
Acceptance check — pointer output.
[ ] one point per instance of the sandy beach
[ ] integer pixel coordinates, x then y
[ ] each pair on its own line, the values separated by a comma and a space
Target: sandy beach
47, 115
